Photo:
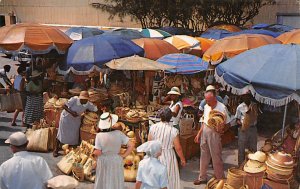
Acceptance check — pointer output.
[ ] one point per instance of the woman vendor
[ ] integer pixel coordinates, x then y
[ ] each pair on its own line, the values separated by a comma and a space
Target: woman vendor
70, 120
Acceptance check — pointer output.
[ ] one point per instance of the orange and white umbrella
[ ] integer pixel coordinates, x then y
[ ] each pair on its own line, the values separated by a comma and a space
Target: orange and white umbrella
205, 44
184, 42
290, 37
228, 27
231, 46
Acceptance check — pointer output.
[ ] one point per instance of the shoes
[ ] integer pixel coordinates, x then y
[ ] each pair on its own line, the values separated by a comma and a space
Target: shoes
55, 154
199, 182
13, 124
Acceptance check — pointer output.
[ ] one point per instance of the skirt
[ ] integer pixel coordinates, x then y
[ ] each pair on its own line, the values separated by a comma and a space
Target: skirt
34, 109
110, 172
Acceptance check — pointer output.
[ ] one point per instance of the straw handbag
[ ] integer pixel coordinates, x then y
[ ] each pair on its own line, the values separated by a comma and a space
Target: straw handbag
38, 140
77, 171
186, 124
11, 102
236, 178
87, 169
66, 163
249, 117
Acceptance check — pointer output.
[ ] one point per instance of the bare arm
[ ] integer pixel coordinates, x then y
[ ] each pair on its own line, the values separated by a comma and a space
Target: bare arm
74, 114
178, 149
130, 147
176, 111
150, 137
138, 184
97, 152
197, 138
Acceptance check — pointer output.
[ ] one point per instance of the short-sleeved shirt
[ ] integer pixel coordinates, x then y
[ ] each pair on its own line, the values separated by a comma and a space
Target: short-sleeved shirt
219, 107
152, 174
176, 119
24, 170
241, 111
110, 142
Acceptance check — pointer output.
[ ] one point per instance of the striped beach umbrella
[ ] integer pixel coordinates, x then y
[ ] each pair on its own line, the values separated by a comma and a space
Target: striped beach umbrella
184, 42
154, 33
184, 63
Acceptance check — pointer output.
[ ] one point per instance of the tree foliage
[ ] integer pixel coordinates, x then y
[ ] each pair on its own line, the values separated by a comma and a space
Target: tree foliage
193, 14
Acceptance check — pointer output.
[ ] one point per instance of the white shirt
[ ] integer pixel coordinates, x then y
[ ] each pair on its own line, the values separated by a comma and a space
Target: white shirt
176, 119
241, 111
152, 174
219, 107
24, 171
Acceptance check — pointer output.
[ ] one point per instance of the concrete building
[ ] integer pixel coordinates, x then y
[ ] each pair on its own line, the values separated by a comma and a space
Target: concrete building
83, 12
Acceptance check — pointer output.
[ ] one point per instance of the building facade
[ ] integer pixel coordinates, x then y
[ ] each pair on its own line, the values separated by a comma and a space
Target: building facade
83, 12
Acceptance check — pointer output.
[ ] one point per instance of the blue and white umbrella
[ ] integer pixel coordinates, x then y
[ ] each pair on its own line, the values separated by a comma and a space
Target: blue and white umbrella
184, 63
216, 34
154, 33
78, 33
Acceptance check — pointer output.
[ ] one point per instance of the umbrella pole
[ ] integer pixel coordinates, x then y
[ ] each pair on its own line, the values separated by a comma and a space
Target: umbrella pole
284, 120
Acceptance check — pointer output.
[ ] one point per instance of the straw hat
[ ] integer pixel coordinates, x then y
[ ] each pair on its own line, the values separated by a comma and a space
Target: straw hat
107, 120
216, 119
62, 182
60, 102
281, 159
254, 167
35, 73
84, 95
279, 170
210, 88
258, 156
174, 91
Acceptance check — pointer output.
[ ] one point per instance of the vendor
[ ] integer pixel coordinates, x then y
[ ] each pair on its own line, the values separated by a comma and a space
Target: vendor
176, 105
70, 120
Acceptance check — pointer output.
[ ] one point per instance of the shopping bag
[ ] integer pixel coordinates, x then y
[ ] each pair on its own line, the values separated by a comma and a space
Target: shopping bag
11, 102
66, 163
186, 124
38, 140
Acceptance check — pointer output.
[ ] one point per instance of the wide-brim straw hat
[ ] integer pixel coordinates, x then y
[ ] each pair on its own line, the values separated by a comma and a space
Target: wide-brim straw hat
84, 95
35, 73
258, 156
278, 170
62, 181
174, 91
60, 102
254, 167
107, 120
216, 118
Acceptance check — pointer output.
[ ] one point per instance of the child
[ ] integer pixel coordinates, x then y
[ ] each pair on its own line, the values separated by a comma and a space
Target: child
151, 173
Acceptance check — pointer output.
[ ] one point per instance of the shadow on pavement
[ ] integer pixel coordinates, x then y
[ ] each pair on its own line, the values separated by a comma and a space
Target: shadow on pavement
5, 119
2, 142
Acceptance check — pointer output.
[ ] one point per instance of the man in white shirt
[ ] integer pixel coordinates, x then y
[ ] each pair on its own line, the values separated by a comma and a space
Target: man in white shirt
23, 170
246, 118
210, 139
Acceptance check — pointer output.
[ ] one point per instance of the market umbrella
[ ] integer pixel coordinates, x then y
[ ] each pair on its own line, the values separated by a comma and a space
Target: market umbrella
127, 33
177, 30
290, 37
38, 39
185, 43
155, 48
270, 73
184, 63
154, 33
77, 33
137, 63
260, 31
260, 26
279, 28
205, 43
232, 46
215, 34
227, 27
91, 53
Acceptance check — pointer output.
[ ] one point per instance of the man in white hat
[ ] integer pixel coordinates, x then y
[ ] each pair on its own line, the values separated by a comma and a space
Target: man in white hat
23, 170
176, 105
210, 140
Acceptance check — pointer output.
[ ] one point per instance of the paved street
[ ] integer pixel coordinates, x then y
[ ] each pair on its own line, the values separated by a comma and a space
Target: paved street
188, 173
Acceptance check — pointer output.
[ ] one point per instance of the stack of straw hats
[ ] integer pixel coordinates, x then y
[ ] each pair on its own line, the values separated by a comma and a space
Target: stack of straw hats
280, 167
216, 120
256, 163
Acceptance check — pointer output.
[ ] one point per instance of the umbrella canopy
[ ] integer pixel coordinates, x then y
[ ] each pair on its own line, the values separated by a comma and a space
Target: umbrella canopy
279, 28
227, 27
151, 33
215, 34
232, 46
77, 33
155, 48
137, 63
290, 37
126, 33
184, 42
205, 44
177, 31
87, 53
38, 39
184, 63
260, 26
270, 72
260, 31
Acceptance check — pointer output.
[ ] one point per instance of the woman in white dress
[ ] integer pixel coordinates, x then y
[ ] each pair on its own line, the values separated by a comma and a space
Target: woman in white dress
151, 173
169, 137
70, 120
110, 171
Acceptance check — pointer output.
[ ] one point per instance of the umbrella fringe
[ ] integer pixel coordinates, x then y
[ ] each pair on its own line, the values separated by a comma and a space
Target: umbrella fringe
257, 96
34, 52
71, 69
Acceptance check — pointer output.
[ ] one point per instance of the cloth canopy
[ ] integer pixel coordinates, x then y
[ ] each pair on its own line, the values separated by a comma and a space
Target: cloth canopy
126, 33
77, 33
260, 31
290, 37
215, 34
154, 33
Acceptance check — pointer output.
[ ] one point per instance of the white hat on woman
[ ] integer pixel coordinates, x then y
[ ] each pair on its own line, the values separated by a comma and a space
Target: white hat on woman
174, 91
107, 120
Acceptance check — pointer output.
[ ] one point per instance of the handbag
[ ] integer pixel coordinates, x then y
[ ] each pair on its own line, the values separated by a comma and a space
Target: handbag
186, 124
38, 140
66, 163
11, 102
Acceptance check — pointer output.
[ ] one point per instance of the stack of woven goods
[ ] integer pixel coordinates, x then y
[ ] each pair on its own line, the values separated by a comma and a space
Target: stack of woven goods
214, 183
89, 123
280, 166
79, 162
97, 95
136, 115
